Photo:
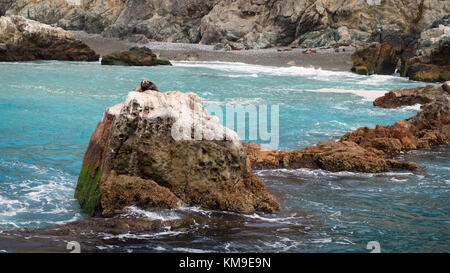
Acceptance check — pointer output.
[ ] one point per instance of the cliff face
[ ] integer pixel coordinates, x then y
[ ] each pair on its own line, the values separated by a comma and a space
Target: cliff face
421, 57
252, 23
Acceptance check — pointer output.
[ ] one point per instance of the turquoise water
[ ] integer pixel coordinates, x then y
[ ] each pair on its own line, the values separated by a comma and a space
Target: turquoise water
49, 110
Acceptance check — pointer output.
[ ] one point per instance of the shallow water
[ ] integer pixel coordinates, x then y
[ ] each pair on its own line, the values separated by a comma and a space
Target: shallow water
49, 110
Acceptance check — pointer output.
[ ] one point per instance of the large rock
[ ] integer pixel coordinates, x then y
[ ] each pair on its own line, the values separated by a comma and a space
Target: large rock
411, 96
162, 150
136, 56
26, 40
252, 23
92, 16
365, 149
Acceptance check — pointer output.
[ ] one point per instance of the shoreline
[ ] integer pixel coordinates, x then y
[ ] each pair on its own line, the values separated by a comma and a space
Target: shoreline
326, 59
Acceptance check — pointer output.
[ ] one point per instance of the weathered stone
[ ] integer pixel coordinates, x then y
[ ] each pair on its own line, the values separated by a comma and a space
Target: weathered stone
385, 52
28, 40
425, 57
256, 24
429, 127
431, 62
165, 144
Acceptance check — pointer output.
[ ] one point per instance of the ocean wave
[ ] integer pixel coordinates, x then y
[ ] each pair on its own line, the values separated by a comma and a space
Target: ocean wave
324, 173
163, 215
415, 107
47, 191
253, 69
368, 95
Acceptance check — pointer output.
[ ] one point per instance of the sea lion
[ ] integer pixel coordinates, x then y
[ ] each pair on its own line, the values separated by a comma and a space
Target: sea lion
146, 85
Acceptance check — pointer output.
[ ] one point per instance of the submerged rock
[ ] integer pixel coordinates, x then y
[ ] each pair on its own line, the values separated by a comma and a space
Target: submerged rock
136, 56
27, 40
365, 150
162, 150
411, 96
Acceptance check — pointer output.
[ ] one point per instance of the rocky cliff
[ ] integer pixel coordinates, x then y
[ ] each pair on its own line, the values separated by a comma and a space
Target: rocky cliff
247, 23
421, 56
162, 150
26, 40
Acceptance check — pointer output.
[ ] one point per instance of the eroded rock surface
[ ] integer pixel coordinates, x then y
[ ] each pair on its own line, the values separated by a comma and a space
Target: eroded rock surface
421, 56
431, 62
246, 23
27, 40
164, 150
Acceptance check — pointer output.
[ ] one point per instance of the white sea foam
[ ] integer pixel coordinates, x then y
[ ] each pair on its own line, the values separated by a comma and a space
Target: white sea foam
267, 70
368, 95
191, 250
272, 220
252, 70
162, 215
415, 107
324, 173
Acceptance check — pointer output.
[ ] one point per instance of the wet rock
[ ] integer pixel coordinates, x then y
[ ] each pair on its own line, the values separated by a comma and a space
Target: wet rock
163, 149
411, 96
28, 40
429, 127
365, 149
136, 56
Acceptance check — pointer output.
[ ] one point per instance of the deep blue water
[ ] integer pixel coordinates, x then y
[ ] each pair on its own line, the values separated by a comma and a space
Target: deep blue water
48, 111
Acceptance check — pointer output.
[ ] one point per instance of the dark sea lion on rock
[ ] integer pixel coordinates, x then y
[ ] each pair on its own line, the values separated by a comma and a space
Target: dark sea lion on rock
146, 85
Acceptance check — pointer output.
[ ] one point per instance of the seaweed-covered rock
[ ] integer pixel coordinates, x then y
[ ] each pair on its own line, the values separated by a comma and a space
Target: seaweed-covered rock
136, 56
162, 150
